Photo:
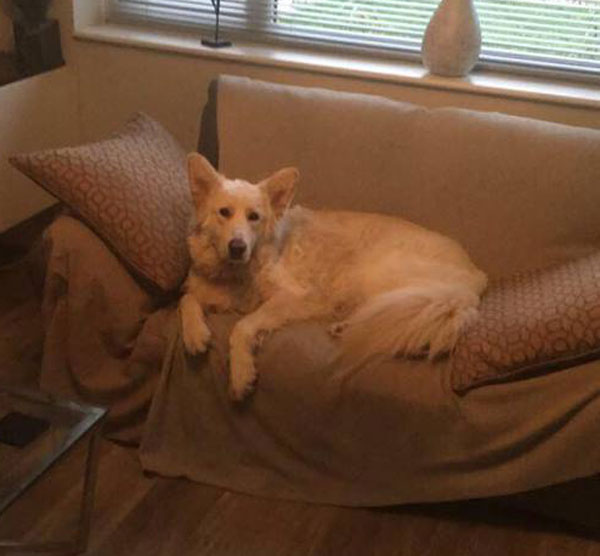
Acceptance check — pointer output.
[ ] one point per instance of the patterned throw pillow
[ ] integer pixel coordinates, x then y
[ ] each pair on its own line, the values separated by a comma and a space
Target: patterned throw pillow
530, 323
131, 189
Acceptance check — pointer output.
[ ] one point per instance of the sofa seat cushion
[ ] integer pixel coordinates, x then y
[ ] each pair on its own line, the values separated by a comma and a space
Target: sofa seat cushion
532, 322
131, 188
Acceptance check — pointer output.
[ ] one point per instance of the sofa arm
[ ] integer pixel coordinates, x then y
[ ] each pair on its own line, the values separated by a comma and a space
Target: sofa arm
104, 333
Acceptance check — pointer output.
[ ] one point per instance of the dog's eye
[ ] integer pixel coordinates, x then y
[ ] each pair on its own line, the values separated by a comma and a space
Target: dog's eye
225, 212
254, 216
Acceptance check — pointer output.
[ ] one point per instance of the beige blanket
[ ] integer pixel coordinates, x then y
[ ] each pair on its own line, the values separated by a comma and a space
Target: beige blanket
389, 433
104, 334
392, 432
516, 192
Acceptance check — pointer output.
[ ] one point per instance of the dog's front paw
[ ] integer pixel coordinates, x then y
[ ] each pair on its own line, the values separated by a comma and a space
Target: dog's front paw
196, 336
242, 374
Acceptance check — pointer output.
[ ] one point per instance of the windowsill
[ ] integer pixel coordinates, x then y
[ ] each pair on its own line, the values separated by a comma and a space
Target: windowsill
523, 87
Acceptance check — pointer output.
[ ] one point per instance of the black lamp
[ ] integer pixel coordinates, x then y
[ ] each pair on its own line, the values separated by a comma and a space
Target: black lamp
216, 41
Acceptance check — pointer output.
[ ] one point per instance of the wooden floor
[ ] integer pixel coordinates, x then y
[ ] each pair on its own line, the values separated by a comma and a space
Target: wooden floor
136, 515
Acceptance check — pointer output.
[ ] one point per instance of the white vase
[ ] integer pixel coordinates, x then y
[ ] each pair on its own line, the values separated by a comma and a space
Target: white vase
452, 40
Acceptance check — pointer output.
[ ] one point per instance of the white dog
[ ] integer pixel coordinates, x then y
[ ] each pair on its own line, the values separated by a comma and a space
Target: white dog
391, 286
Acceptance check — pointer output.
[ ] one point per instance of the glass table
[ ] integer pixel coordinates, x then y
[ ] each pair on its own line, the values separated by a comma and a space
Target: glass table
37, 430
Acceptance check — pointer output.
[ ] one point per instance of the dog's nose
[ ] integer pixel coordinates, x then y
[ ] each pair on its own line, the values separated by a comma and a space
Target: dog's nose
237, 248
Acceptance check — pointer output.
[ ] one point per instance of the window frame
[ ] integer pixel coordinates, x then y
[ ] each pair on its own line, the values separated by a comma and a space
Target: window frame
517, 64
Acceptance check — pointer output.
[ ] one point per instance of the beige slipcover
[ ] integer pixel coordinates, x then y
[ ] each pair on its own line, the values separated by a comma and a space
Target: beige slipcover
516, 192
104, 338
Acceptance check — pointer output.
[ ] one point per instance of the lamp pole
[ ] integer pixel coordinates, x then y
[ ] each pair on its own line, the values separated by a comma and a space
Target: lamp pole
216, 42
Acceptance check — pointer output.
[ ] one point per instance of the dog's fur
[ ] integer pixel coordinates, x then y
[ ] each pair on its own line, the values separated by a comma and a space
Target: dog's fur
391, 286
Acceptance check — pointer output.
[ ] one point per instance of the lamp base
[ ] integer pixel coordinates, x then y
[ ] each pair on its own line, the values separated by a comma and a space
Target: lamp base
38, 47
211, 43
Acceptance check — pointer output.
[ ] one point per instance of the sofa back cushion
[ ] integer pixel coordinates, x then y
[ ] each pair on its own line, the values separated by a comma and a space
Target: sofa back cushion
517, 193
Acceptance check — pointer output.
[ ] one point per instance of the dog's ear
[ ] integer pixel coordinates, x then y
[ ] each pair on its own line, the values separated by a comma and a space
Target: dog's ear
281, 188
203, 178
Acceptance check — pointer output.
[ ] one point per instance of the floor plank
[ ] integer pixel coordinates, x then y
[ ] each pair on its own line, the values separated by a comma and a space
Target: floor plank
161, 523
257, 527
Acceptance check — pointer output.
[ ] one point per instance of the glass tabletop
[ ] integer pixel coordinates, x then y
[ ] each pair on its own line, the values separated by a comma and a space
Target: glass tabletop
57, 426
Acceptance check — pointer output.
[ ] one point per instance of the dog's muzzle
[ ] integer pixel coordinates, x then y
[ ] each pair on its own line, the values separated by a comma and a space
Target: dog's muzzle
237, 249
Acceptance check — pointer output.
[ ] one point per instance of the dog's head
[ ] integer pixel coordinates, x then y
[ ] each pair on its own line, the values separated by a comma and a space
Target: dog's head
235, 215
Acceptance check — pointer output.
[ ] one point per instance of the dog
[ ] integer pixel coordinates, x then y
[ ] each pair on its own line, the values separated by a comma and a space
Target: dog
389, 286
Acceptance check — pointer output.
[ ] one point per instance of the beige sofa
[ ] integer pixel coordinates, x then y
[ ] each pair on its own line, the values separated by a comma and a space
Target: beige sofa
517, 193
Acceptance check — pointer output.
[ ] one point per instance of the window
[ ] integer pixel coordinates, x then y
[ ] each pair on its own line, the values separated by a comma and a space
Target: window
555, 34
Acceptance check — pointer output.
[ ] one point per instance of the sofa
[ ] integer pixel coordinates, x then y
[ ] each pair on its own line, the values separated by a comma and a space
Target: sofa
519, 194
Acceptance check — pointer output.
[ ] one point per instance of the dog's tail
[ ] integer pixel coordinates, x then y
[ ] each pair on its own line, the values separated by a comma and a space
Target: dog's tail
410, 321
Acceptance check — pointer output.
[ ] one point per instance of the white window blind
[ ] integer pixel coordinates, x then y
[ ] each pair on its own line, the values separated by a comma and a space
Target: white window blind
557, 34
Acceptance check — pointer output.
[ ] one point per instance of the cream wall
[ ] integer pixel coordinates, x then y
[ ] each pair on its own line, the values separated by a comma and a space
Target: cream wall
35, 113
112, 82
115, 81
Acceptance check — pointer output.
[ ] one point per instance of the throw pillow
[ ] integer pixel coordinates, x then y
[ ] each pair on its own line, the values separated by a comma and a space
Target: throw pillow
131, 189
530, 323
